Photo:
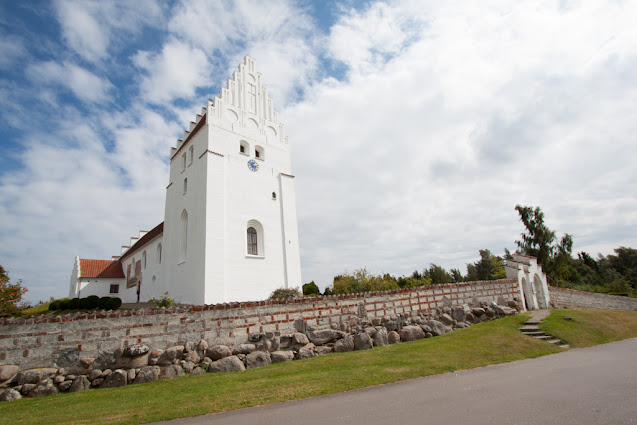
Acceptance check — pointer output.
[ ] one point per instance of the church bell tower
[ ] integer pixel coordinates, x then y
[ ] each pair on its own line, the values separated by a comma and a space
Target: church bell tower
230, 228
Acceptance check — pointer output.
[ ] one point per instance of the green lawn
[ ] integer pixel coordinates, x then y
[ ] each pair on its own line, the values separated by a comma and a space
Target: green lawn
591, 327
483, 344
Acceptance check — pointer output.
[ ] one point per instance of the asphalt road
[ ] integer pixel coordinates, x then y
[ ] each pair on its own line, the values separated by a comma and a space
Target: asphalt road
595, 385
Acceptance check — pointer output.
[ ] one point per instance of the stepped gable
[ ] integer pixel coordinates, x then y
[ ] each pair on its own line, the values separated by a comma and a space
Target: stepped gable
101, 268
147, 237
245, 102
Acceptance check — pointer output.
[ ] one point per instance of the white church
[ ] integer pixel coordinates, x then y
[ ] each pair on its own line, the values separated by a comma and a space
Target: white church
230, 227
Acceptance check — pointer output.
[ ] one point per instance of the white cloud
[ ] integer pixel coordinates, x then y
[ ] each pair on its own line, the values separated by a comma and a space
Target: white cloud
90, 27
278, 34
451, 118
85, 85
174, 73
12, 49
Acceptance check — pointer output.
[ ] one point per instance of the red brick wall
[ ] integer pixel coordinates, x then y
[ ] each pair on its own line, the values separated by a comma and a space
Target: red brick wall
37, 342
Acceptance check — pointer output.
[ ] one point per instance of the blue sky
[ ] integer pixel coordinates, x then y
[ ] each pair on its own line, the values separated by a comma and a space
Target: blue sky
415, 126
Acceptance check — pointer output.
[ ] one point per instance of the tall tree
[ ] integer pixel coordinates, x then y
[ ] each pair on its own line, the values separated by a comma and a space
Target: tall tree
539, 242
538, 239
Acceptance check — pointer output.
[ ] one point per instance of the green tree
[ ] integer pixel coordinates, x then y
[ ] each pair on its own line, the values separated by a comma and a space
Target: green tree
10, 294
311, 289
538, 239
437, 274
539, 242
489, 267
363, 281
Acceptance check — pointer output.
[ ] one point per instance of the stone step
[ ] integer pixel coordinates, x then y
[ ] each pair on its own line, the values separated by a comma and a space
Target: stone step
530, 329
565, 346
534, 333
555, 341
532, 322
543, 337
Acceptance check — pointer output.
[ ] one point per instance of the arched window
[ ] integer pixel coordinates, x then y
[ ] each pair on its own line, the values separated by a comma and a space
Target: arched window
259, 152
244, 147
144, 259
192, 153
159, 254
274, 195
252, 241
185, 186
183, 246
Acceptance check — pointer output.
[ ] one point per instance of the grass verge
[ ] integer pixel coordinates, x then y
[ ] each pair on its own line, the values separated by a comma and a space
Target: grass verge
591, 327
480, 345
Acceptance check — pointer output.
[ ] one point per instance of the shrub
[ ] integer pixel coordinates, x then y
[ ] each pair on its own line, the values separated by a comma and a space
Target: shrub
113, 303
92, 302
311, 289
285, 294
83, 304
102, 304
65, 305
163, 301
362, 281
55, 305
74, 304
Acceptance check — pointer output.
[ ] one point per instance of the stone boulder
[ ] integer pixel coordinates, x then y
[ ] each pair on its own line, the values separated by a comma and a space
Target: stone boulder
154, 356
447, 319
227, 364
147, 374
10, 395
438, 328
411, 333
202, 346
135, 350
305, 353
393, 337
344, 344
380, 338
243, 349
258, 359
118, 378
458, 313
461, 325
324, 349
26, 388
197, 371
281, 356
172, 371
363, 341
323, 336
8, 371
133, 362
217, 352
80, 383
43, 389
477, 311
65, 385
34, 376
299, 339
94, 374
173, 353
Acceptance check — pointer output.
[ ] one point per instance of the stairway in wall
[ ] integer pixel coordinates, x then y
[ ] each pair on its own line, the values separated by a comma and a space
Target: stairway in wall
532, 329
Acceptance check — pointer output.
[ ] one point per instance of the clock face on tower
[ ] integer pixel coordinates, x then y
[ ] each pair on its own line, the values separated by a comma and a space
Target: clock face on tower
252, 165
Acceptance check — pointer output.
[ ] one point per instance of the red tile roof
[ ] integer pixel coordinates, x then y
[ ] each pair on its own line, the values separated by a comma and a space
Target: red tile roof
158, 230
100, 268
